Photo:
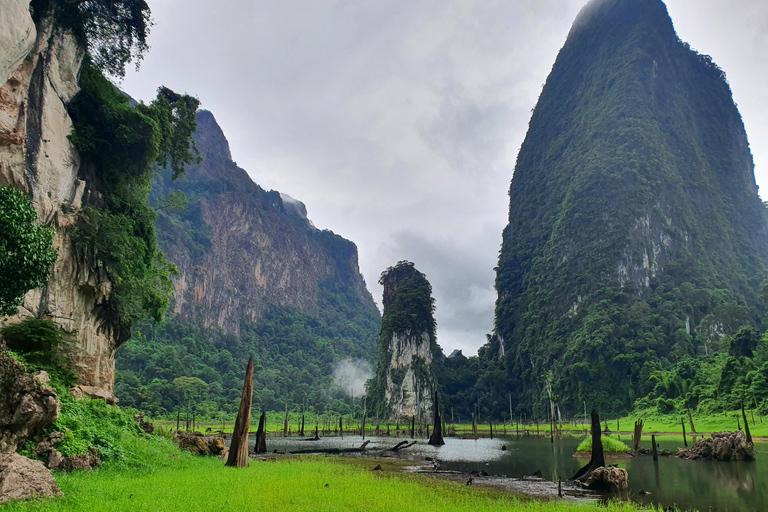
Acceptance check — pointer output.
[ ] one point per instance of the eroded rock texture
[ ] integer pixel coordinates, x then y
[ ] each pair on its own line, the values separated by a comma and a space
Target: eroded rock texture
39, 67
26, 407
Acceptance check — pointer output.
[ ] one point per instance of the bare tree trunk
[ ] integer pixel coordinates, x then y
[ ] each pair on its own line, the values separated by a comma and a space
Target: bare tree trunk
746, 424
437, 432
655, 452
682, 424
285, 425
638, 435
413, 426
238, 450
690, 420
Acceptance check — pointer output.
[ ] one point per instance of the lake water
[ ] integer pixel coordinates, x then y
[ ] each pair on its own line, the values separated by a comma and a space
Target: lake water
704, 486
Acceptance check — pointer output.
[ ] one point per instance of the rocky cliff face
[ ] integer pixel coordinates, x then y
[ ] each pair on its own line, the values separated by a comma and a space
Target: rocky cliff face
39, 66
635, 232
241, 250
405, 380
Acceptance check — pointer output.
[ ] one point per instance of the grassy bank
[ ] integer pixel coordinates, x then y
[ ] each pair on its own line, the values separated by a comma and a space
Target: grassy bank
204, 484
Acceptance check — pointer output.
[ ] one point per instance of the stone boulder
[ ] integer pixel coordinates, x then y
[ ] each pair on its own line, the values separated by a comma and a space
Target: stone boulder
606, 479
45, 446
26, 407
95, 393
83, 462
199, 444
22, 478
721, 446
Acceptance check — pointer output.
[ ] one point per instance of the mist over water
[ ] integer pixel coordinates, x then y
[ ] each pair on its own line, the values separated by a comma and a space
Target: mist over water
350, 376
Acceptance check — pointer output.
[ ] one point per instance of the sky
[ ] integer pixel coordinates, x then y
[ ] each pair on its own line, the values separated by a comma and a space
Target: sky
398, 122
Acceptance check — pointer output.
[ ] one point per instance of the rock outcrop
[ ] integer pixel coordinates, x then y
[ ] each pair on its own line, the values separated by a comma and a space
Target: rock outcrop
26, 407
82, 462
22, 478
720, 446
39, 67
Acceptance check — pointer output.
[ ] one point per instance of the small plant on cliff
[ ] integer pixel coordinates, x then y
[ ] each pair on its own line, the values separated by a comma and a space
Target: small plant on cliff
26, 255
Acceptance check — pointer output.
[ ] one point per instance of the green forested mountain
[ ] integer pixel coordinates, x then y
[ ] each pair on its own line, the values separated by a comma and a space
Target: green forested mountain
255, 277
636, 236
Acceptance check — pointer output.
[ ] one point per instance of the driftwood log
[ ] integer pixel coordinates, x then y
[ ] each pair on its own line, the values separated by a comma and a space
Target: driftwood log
402, 445
361, 448
238, 450
261, 435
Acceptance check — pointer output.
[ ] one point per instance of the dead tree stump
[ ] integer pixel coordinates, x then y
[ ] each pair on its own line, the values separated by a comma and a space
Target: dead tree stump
682, 424
655, 451
238, 450
598, 458
436, 439
413, 426
746, 423
637, 436
261, 435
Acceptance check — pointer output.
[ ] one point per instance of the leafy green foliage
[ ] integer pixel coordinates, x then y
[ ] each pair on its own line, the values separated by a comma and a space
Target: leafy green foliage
122, 145
709, 385
26, 255
294, 355
114, 31
636, 238
38, 344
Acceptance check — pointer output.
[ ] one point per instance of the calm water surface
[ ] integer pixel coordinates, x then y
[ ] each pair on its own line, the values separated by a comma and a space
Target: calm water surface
704, 486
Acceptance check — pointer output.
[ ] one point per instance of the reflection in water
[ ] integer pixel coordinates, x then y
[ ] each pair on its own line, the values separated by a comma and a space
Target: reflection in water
715, 486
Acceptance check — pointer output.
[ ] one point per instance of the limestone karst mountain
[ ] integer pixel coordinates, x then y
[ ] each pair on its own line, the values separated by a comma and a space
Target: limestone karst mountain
255, 277
636, 235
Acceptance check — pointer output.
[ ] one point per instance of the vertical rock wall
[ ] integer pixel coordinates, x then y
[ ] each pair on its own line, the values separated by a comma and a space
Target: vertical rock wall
39, 67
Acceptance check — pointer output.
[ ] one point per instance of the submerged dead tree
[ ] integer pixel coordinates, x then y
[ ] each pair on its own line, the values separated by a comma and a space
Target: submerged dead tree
598, 458
238, 450
261, 435
637, 436
437, 432
746, 423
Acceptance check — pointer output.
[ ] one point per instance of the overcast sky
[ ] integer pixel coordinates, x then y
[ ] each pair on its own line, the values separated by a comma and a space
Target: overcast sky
398, 122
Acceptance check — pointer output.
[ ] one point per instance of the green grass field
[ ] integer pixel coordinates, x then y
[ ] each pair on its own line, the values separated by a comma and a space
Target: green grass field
311, 484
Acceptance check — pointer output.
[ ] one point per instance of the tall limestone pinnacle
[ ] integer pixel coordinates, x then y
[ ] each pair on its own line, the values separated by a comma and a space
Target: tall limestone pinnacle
636, 235
405, 379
